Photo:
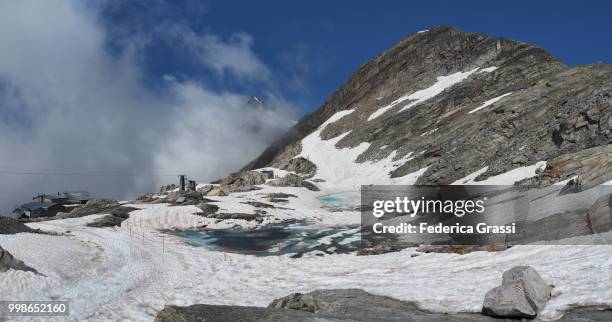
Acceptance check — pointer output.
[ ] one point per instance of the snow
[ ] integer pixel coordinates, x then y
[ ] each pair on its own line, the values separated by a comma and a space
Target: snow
507, 178
429, 132
488, 69
422, 31
108, 275
418, 97
488, 103
338, 167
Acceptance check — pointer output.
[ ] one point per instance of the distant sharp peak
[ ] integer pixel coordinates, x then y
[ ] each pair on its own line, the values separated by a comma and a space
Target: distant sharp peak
255, 101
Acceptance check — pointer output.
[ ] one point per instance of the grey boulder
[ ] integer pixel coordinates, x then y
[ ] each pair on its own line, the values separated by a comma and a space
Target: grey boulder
523, 294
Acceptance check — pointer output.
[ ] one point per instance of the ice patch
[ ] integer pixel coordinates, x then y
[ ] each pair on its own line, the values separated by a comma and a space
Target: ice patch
488, 69
489, 102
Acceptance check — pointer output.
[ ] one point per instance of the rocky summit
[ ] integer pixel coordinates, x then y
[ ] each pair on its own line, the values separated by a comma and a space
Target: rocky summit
455, 103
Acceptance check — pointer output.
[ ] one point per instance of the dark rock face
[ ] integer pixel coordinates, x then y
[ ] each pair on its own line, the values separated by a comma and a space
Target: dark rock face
523, 294
319, 305
7, 261
12, 226
552, 113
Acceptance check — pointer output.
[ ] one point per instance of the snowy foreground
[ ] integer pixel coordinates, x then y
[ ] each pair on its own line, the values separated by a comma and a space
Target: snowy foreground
113, 275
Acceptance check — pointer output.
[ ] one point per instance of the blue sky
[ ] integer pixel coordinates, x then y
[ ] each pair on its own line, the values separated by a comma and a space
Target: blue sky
311, 47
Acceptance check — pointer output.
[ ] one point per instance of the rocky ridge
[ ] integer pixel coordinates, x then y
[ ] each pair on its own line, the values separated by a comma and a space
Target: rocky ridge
515, 105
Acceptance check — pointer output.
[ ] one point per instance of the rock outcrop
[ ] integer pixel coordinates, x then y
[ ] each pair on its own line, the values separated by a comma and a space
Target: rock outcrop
7, 261
523, 294
115, 217
93, 207
293, 180
242, 181
319, 305
12, 226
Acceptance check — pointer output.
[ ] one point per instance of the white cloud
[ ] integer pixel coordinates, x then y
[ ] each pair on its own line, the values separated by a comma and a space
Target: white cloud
233, 56
66, 105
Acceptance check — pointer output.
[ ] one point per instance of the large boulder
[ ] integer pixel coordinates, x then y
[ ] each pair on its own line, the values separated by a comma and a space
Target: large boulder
301, 166
242, 181
7, 261
115, 218
600, 215
523, 294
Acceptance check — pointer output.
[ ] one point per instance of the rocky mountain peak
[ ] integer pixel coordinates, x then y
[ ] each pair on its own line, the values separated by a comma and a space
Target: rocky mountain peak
454, 103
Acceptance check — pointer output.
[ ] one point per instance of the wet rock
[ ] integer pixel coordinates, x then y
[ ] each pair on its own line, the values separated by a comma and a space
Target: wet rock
523, 294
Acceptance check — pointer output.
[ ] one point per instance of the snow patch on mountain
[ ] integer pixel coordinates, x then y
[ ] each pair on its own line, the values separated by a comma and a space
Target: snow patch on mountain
418, 97
507, 178
488, 103
338, 167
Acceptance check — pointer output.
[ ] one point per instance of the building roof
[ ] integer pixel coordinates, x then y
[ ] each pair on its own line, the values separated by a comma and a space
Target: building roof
37, 205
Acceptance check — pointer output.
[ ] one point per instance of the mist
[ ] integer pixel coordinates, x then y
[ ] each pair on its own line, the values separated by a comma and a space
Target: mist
67, 105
